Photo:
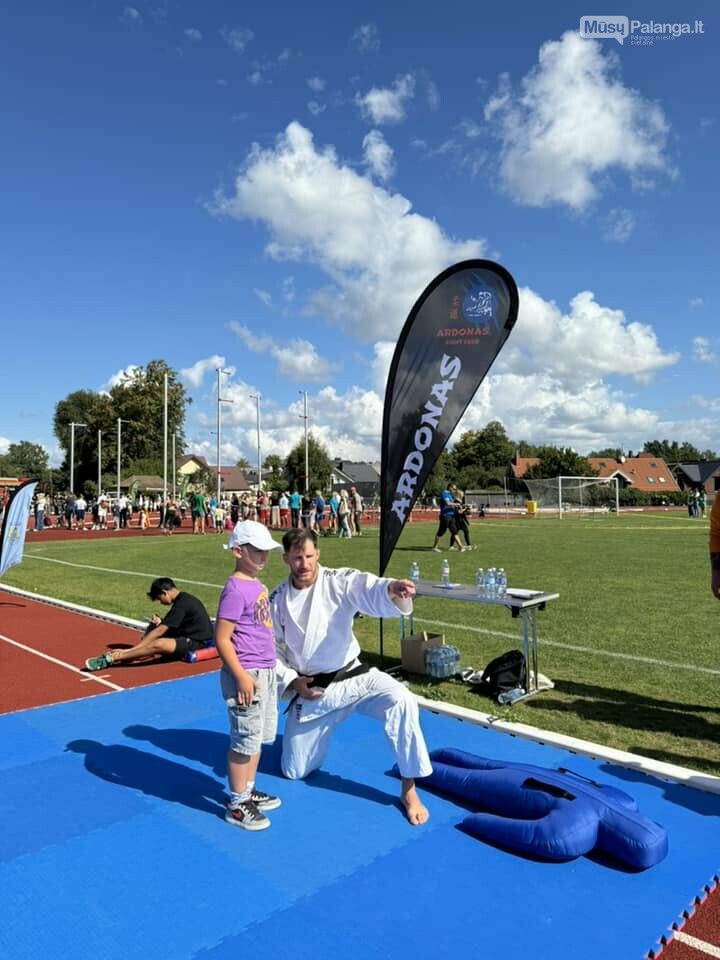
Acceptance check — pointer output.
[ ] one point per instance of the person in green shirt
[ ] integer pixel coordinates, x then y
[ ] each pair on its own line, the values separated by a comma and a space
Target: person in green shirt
197, 509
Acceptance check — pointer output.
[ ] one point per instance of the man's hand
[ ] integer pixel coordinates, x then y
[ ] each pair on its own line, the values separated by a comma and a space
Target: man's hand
401, 589
246, 687
304, 689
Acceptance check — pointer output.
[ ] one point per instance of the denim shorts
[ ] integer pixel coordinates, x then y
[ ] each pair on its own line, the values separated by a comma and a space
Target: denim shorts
251, 727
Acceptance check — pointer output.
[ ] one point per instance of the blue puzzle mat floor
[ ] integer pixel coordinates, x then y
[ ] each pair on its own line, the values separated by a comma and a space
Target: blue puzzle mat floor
114, 846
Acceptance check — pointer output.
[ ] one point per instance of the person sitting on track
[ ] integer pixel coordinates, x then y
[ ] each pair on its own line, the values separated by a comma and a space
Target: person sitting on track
185, 628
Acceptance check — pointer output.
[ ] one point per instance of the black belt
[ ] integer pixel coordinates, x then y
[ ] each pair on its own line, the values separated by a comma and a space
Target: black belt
323, 680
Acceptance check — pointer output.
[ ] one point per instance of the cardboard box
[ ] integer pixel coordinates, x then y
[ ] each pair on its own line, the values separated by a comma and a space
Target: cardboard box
413, 647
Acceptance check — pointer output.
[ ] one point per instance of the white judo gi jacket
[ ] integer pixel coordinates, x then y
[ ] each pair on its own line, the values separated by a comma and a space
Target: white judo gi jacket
328, 643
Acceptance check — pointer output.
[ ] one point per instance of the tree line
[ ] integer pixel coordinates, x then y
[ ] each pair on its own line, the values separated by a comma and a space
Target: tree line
478, 461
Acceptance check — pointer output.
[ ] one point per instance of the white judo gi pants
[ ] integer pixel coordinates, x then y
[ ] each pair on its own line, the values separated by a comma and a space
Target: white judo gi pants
310, 724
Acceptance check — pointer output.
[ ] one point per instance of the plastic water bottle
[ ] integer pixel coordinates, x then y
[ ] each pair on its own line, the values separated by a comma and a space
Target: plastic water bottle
445, 573
509, 697
480, 582
501, 583
490, 583
414, 571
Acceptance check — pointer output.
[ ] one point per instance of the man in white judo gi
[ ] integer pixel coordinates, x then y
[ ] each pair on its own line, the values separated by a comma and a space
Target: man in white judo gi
318, 668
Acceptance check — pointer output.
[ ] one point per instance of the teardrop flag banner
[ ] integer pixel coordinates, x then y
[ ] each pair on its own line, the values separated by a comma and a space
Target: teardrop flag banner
449, 342
14, 525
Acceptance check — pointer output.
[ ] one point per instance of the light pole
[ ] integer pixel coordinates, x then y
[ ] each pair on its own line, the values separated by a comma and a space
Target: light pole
220, 400
72, 453
304, 416
99, 484
256, 398
120, 422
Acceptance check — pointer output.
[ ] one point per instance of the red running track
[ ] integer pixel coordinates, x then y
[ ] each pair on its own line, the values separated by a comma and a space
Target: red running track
43, 649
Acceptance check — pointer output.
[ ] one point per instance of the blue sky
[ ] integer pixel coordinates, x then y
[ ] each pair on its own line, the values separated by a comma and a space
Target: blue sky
268, 188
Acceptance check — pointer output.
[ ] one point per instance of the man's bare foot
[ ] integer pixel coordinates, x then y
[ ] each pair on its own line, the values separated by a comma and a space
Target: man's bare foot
416, 811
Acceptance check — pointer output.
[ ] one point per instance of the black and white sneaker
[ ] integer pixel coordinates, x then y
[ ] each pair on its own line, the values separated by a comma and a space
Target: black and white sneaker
247, 816
265, 801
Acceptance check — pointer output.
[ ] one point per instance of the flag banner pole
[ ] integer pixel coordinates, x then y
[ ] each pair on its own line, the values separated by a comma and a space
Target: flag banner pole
450, 339
14, 525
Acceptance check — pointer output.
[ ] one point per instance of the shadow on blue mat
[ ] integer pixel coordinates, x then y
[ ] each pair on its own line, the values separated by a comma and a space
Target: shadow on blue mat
203, 746
152, 775
696, 799
210, 748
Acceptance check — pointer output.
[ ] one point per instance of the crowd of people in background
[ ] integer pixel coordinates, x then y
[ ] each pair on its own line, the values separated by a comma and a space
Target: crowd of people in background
340, 515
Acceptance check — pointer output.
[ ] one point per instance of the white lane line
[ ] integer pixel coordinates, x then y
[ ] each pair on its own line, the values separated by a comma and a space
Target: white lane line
709, 949
60, 663
126, 573
542, 642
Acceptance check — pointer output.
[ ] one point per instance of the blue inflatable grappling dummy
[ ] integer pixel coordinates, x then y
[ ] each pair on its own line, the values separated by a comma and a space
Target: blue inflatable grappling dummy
552, 814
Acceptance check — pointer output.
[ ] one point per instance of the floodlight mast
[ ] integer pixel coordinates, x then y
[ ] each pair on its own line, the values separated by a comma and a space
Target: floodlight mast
304, 416
220, 400
72, 453
256, 398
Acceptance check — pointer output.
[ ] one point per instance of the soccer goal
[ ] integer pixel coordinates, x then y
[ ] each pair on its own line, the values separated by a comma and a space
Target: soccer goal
575, 495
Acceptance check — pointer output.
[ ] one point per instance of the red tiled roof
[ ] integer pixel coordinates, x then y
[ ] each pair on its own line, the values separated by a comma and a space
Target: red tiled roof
644, 472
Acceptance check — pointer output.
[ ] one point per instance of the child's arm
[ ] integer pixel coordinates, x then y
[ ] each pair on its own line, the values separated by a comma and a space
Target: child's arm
223, 643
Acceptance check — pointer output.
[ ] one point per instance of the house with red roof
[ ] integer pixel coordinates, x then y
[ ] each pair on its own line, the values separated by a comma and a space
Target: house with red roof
644, 472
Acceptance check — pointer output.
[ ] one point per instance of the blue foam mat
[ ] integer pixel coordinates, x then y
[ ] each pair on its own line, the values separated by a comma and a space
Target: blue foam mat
113, 845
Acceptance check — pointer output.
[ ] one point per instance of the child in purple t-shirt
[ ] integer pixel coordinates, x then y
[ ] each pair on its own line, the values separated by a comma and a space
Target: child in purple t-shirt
244, 641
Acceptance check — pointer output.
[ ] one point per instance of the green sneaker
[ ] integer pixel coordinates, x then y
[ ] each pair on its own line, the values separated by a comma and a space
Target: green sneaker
102, 662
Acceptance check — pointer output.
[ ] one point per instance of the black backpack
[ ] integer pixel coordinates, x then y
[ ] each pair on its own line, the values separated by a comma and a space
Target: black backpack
505, 672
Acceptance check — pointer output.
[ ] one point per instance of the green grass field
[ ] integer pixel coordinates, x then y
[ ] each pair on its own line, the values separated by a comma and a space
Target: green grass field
632, 644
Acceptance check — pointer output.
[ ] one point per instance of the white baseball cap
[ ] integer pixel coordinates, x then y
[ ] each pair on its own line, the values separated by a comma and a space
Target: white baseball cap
254, 533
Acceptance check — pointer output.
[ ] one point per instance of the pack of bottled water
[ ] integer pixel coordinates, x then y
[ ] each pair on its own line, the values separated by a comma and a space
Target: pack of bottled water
442, 661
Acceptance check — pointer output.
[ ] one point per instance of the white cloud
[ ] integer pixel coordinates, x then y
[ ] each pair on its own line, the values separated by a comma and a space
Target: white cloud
131, 16
263, 296
366, 38
237, 38
256, 79
121, 376
619, 225
316, 84
296, 359
706, 403
589, 342
315, 108
696, 302
572, 123
192, 33
288, 289
387, 104
377, 254
193, 376
4, 444
542, 408
378, 155
556, 379
433, 96
703, 351
470, 129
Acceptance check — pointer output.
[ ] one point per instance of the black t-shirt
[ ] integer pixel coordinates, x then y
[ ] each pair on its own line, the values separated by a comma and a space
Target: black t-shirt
188, 618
